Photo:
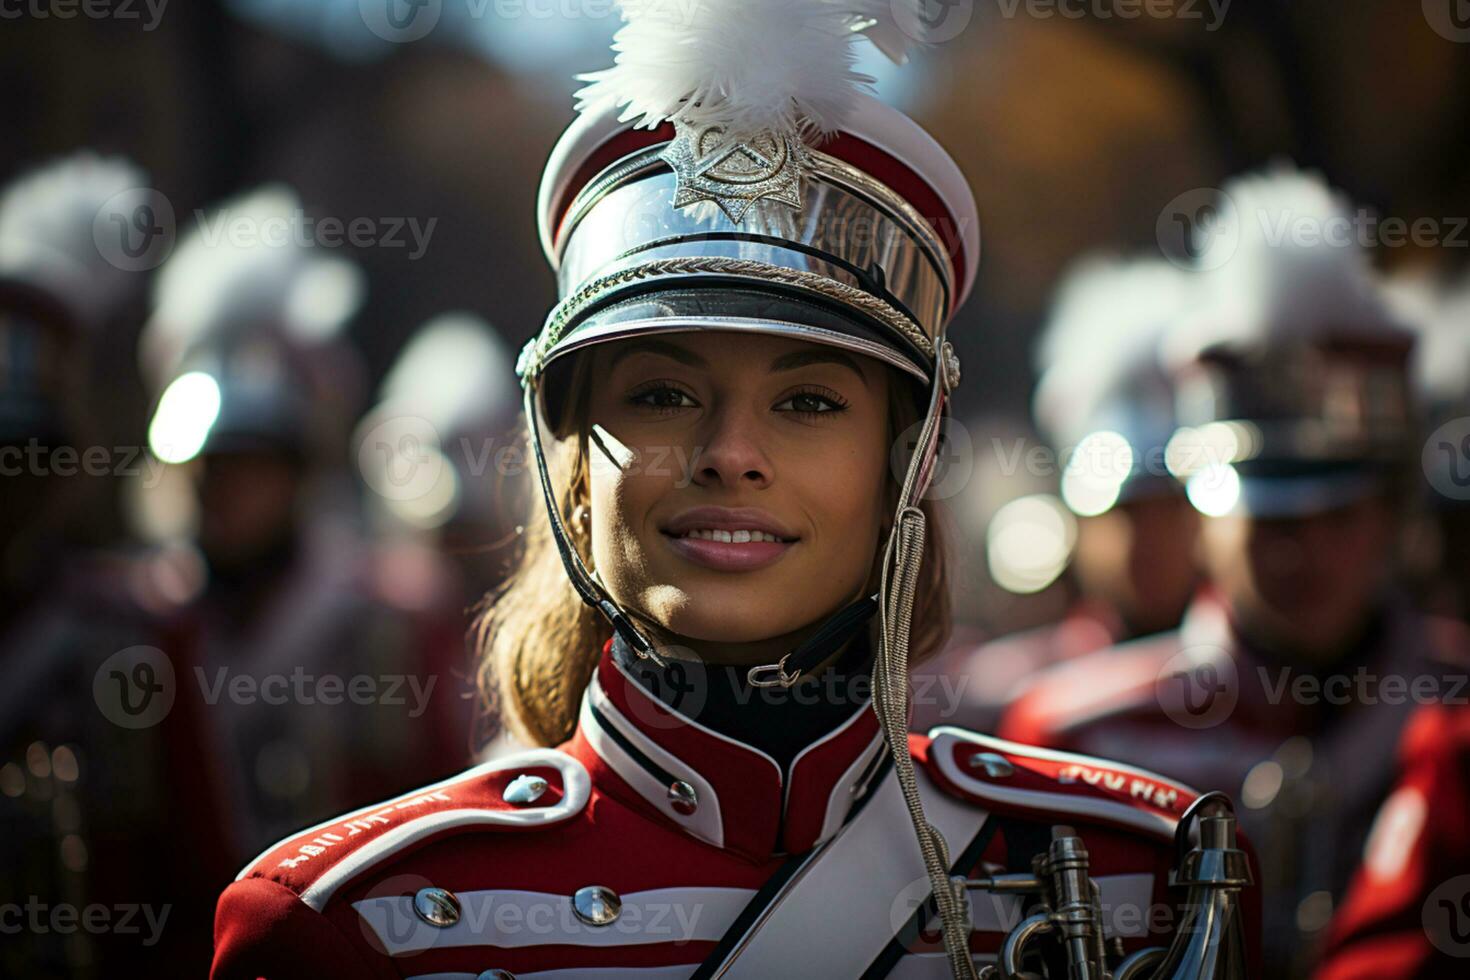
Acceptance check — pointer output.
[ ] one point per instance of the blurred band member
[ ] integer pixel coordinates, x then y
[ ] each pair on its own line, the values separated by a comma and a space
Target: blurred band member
451, 397
105, 797
1105, 405
1288, 682
321, 654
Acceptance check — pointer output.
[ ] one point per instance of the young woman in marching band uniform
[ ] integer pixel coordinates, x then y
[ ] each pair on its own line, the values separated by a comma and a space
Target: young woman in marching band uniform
734, 412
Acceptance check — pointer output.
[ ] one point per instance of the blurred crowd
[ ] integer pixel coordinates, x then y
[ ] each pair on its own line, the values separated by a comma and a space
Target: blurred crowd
1238, 554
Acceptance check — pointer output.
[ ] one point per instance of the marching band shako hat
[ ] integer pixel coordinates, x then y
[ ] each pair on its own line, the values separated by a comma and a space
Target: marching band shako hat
1104, 399
57, 287
248, 303
729, 173
1295, 375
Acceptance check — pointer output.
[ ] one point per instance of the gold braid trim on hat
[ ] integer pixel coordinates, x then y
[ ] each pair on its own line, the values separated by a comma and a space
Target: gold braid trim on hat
859, 299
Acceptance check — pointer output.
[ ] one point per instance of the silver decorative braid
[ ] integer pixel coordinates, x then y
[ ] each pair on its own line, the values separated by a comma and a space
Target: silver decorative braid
902, 560
879, 309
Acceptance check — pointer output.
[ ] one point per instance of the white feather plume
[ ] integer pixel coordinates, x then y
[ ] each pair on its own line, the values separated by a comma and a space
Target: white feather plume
248, 267
1101, 342
47, 220
1286, 264
1440, 317
748, 66
456, 372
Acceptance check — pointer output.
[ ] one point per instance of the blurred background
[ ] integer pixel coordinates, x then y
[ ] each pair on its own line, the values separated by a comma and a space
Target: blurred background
410, 153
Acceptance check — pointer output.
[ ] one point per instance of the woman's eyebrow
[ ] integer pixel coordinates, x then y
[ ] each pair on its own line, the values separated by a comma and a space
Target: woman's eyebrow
673, 351
801, 358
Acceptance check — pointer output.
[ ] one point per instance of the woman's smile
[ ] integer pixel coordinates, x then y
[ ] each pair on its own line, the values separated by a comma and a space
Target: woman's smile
728, 539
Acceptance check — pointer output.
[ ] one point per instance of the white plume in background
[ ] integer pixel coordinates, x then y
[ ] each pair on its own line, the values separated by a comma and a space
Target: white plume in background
456, 372
1102, 339
1286, 264
246, 266
1440, 318
748, 66
47, 220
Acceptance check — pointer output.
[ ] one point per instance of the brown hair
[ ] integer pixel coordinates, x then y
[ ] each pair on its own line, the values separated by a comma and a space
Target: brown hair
538, 642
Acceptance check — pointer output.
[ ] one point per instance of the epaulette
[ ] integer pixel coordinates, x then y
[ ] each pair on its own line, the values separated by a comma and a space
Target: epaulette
525, 791
1046, 785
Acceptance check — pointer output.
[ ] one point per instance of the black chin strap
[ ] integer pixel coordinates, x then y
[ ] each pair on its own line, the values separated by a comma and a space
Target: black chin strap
582, 580
840, 627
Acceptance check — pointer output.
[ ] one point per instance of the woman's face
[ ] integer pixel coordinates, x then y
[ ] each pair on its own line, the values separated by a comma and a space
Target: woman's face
737, 480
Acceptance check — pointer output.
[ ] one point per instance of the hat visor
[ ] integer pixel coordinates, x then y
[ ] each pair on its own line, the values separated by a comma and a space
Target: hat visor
735, 309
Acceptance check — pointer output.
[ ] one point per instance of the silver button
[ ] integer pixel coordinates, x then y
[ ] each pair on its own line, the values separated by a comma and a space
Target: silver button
597, 905
995, 766
682, 798
437, 906
496, 975
524, 789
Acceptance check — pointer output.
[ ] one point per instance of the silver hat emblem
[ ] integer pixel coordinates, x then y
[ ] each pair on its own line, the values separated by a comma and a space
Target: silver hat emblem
734, 173
682, 798
437, 906
597, 905
995, 766
524, 789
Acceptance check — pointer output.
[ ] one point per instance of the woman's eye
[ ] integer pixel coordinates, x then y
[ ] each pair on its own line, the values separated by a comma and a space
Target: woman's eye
811, 403
663, 397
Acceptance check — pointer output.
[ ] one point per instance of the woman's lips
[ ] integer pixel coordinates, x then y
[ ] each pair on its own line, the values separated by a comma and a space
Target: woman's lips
728, 556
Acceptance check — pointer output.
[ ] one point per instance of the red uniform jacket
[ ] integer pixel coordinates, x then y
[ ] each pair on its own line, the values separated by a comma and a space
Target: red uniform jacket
702, 845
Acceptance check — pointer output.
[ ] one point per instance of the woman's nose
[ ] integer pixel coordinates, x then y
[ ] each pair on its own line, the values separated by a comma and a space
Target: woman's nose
731, 452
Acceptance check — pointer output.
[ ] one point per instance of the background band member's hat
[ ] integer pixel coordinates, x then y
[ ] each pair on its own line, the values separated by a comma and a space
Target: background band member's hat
1104, 399
1293, 385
